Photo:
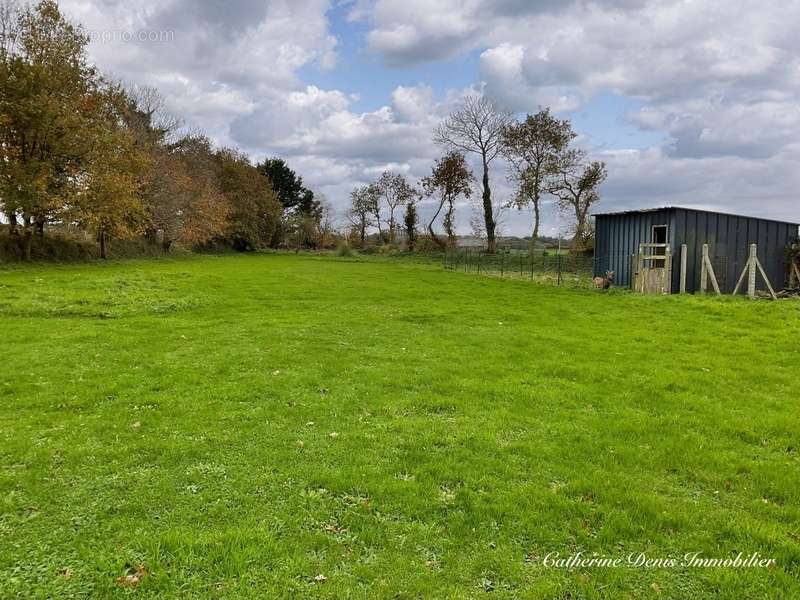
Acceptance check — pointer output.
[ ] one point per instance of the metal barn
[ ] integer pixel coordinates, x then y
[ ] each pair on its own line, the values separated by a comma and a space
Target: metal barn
621, 236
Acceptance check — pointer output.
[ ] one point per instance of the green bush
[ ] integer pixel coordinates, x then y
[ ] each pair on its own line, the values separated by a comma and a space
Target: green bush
388, 249
344, 250
68, 246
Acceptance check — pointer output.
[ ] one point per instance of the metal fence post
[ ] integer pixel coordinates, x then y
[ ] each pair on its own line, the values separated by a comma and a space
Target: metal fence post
684, 258
502, 264
558, 261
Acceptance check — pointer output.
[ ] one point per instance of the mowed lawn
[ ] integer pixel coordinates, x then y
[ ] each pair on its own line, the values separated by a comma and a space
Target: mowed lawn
274, 425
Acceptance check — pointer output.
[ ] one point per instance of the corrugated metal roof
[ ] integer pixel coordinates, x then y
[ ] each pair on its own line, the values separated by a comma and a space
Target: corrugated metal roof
712, 212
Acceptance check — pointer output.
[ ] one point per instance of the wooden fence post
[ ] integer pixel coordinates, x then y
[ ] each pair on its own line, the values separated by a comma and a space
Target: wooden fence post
752, 267
666, 282
704, 270
751, 276
639, 269
764, 275
684, 261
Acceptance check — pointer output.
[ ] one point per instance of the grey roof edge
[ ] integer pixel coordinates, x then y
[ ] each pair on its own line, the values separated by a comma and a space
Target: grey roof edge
712, 212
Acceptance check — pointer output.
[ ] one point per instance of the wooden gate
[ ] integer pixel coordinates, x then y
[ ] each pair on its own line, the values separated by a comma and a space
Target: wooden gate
653, 269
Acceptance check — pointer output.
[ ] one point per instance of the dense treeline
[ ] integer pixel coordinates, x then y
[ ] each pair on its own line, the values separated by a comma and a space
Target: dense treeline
79, 151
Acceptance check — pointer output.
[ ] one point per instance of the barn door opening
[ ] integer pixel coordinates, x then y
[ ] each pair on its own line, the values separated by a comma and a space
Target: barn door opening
654, 265
659, 240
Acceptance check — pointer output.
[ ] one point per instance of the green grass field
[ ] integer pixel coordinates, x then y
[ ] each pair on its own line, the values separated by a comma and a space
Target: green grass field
271, 425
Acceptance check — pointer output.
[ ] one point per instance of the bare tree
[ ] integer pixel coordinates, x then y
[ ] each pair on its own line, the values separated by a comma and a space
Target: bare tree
449, 179
535, 148
577, 189
8, 37
396, 191
147, 110
9, 31
477, 126
326, 224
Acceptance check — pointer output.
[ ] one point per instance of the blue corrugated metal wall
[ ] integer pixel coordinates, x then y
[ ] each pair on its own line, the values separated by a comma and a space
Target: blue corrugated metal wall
729, 237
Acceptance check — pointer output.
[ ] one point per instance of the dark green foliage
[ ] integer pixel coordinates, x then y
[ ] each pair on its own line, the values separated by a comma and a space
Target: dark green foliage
255, 213
289, 188
411, 222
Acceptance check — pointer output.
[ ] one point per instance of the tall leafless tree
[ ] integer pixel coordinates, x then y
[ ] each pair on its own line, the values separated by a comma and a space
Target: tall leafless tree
477, 127
8, 32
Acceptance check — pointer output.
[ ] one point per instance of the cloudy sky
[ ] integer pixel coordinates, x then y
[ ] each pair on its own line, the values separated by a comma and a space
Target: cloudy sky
690, 102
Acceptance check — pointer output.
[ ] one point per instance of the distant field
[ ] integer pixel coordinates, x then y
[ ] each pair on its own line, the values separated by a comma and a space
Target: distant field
312, 427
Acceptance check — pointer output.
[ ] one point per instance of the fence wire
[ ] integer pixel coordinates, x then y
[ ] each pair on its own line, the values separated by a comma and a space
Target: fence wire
543, 266
549, 266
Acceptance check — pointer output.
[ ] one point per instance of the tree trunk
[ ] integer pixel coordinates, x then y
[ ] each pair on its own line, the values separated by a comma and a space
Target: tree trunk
151, 235
536, 220
12, 222
580, 228
40, 227
451, 234
27, 244
488, 212
434, 237
166, 244
27, 237
102, 238
363, 230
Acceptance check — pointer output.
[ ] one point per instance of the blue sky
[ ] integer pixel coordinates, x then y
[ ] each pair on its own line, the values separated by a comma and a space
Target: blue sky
362, 73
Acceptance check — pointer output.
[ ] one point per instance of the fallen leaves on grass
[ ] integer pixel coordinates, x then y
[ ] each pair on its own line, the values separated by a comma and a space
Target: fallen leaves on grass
655, 587
320, 578
446, 495
133, 579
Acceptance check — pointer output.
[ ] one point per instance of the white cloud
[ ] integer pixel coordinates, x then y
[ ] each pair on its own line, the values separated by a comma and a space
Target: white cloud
720, 80
414, 31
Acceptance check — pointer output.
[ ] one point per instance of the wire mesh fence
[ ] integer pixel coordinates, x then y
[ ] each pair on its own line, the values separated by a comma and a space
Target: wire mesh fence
543, 266
566, 268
